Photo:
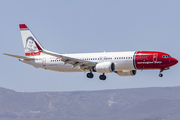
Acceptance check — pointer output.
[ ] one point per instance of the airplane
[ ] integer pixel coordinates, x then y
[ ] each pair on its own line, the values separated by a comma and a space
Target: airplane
121, 63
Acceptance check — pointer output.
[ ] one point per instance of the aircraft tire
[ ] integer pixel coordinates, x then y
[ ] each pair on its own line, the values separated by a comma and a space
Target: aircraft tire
102, 77
160, 75
90, 75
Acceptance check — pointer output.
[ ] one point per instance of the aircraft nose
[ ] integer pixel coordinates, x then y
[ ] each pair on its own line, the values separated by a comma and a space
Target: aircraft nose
174, 61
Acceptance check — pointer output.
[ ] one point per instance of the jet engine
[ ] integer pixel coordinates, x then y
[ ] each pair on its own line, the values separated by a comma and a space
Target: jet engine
126, 72
105, 67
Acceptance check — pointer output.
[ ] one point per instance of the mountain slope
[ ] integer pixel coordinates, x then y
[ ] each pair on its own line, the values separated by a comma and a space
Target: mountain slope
126, 104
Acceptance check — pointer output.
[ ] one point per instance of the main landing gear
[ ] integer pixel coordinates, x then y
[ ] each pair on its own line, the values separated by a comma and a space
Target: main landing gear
160, 74
90, 75
101, 77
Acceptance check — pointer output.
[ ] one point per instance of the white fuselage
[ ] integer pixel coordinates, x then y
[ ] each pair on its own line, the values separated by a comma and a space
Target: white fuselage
122, 61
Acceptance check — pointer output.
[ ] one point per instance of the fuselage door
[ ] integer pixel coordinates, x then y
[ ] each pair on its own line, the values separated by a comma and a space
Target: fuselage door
155, 56
44, 61
105, 58
102, 59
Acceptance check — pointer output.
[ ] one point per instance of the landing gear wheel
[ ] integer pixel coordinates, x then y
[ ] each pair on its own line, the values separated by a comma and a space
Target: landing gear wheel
90, 75
160, 75
102, 77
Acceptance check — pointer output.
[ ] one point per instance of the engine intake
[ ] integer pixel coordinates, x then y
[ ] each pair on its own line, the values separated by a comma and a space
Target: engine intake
105, 67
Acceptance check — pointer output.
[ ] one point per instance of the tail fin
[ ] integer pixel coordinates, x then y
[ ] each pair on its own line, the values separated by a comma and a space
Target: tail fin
31, 46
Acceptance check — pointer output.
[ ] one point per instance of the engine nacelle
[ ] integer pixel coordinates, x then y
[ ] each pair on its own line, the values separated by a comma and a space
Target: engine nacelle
126, 72
105, 67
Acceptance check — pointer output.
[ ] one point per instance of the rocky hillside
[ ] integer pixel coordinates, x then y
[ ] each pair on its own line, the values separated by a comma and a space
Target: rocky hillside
126, 104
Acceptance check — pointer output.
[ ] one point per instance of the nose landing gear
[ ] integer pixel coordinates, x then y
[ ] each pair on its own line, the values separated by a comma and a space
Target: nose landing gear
160, 74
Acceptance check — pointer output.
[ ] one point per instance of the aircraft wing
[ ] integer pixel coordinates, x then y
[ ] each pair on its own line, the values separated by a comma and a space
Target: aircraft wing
21, 57
83, 64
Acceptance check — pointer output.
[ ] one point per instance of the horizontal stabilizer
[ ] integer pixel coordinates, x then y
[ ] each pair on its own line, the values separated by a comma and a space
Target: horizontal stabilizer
21, 57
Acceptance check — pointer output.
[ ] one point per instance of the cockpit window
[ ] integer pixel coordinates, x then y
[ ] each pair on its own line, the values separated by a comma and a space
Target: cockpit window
166, 56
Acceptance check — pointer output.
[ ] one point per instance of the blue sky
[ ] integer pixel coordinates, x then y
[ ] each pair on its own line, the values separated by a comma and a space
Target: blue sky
88, 26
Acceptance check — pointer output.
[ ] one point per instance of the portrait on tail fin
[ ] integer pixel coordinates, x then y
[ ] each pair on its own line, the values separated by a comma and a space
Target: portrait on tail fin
30, 45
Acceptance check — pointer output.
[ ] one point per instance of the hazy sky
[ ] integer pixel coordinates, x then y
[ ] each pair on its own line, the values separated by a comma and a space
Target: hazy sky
75, 26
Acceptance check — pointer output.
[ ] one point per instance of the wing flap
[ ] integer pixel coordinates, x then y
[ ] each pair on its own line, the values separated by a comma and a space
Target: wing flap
73, 61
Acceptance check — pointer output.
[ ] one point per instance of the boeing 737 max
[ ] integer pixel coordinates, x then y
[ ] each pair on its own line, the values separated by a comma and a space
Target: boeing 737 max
121, 63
